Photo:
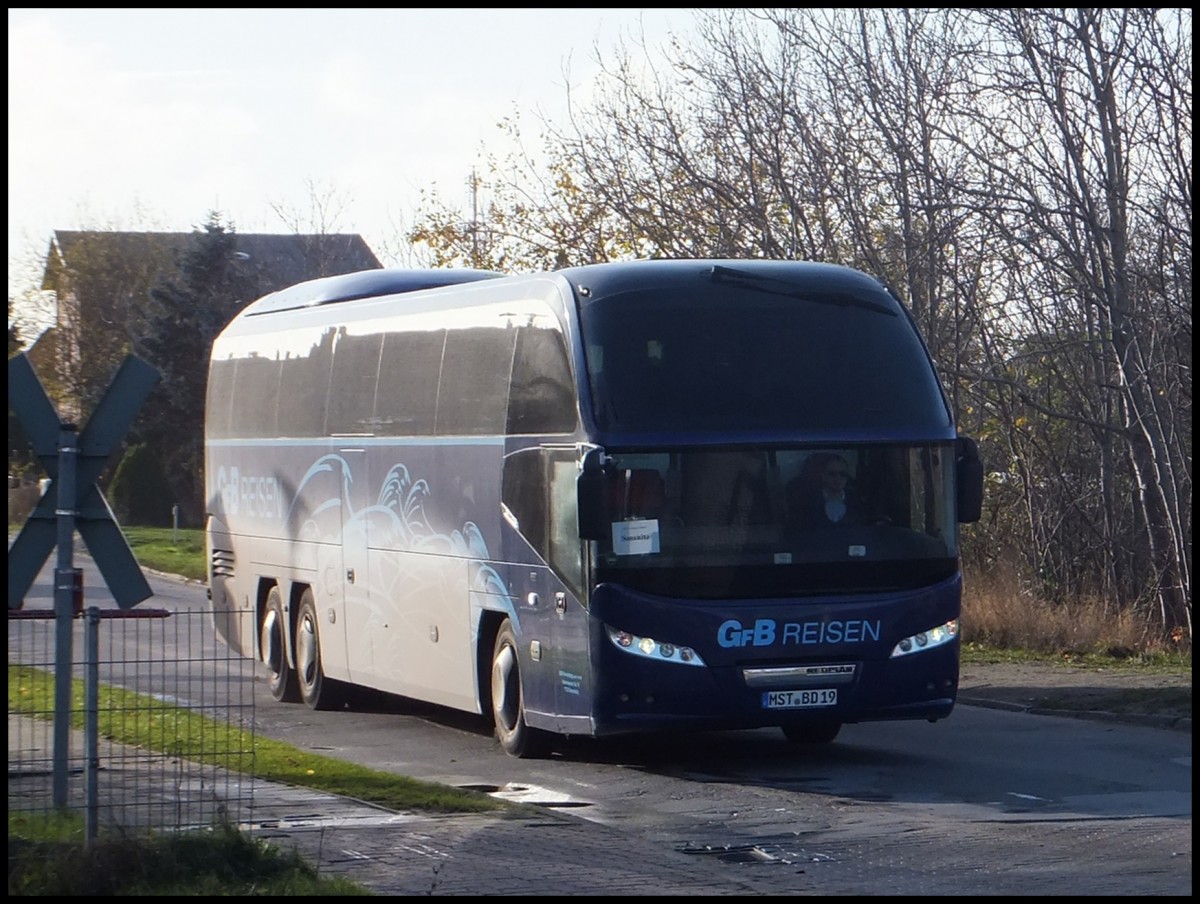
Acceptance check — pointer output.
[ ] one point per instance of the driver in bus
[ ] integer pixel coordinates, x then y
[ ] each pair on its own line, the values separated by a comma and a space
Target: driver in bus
822, 494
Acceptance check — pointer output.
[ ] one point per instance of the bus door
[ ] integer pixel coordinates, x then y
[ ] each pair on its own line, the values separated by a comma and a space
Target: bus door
539, 493
354, 633
569, 621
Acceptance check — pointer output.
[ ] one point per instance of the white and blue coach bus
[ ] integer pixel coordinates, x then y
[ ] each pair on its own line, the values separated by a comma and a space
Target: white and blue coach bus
625, 497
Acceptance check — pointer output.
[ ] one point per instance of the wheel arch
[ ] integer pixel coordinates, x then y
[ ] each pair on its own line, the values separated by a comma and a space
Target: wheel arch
490, 621
292, 600
265, 585
291, 603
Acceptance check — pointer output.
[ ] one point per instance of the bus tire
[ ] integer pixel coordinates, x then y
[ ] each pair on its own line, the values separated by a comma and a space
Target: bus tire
822, 733
272, 647
315, 689
508, 700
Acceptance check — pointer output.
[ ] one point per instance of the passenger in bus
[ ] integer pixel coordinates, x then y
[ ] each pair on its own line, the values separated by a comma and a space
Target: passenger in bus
726, 488
822, 495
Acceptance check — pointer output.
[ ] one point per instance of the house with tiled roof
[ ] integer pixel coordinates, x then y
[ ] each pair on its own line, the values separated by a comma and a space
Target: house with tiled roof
99, 278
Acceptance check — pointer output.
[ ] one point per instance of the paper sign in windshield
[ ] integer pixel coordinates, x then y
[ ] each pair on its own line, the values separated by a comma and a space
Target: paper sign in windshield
635, 538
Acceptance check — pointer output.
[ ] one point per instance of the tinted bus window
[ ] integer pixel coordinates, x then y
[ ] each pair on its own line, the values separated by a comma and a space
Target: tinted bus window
220, 397
352, 390
524, 494
256, 397
306, 378
723, 357
406, 398
542, 396
473, 392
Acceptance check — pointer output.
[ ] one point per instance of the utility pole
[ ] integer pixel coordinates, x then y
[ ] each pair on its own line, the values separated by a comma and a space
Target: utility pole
474, 227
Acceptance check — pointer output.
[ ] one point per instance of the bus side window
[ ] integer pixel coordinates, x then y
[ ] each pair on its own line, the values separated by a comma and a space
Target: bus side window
473, 391
406, 397
542, 394
524, 495
256, 397
539, 490
219, 404
306, 381
352, 389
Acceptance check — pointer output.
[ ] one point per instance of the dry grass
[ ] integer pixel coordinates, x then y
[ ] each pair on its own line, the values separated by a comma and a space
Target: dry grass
999, 612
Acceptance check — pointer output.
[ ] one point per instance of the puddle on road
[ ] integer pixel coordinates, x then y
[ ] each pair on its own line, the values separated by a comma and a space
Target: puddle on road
534, 795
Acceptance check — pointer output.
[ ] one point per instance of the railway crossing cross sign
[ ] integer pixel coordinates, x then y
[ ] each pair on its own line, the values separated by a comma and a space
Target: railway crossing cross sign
91, 514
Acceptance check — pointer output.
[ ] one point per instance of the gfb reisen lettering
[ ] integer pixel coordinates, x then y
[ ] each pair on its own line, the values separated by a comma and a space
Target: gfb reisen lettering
251, 496
766, 632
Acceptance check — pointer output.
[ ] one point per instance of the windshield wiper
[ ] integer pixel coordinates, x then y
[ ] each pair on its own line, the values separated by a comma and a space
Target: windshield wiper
837, 299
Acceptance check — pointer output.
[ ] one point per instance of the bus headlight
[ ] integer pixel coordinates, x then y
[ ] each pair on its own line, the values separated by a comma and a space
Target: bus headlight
927, 640
650, 648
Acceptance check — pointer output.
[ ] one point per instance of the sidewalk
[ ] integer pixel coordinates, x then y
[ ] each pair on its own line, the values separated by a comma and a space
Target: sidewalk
518, 851
513, 853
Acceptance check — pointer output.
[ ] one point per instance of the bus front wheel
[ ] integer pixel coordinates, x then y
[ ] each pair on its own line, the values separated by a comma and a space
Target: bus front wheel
508, 700
272, 647
315, 689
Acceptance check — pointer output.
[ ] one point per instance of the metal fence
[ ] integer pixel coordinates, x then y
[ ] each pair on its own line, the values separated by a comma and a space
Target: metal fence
161, 735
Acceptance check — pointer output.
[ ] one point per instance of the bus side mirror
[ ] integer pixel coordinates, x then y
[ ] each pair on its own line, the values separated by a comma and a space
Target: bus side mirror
968, 479
591, 488
591, 493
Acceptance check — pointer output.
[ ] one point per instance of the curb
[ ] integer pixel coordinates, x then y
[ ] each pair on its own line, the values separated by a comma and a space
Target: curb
1170, 723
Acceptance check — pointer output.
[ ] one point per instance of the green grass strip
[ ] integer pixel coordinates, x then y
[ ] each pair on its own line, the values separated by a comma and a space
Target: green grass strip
151, 724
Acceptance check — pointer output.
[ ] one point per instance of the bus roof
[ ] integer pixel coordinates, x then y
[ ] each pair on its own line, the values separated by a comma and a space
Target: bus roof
363, 284
606, 279
592, 280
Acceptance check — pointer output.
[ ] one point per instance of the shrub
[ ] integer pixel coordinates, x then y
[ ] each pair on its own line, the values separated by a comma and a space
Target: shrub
139, 492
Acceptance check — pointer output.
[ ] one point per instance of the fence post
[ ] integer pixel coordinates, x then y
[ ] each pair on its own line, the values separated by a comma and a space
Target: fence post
91, 724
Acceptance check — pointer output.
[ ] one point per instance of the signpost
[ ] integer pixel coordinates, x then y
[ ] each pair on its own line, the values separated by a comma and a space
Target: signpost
73, 468
73, 502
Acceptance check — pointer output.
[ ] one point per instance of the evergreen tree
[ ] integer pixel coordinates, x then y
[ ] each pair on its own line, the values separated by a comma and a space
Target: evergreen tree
14, 333
185, 310
20, 455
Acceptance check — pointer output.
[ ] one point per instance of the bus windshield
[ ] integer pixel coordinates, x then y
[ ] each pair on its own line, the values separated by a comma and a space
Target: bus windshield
735, 355
775, 522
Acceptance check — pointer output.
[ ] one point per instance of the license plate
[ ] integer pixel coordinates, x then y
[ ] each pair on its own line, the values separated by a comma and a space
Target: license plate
799, 699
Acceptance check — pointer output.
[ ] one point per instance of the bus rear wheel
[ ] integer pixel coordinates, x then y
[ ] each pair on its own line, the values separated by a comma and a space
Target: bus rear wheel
822, 733
272, 647
508, 700
315, 689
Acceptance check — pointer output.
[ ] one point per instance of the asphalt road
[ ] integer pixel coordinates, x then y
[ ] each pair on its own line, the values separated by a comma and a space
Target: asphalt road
985, 802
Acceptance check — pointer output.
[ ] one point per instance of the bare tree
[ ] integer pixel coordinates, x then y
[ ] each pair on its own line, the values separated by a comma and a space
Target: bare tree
1089, 187
326, 205
1021, 177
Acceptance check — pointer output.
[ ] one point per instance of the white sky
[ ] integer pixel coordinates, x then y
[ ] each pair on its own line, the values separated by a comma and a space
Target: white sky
149, 119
